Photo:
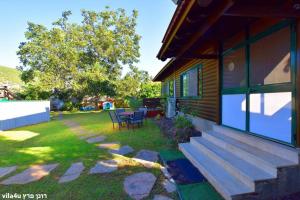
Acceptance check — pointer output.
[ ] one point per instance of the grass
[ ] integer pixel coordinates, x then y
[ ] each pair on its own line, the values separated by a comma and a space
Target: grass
53, 142
10, 75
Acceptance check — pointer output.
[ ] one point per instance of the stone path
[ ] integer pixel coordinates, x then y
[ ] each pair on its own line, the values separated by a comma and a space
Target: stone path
161, 197
169, 186
7, 170
96, 139
139, 185
147, 155
31, 174
104, 166
122, 151
110, 145
72, 173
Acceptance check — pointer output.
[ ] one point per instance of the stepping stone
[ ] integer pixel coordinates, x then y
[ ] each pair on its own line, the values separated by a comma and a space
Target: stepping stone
139, 185
96, 139
31, 174
7, 170
169, 186
161, 197
164, 170
122, 151
105, 166
147, 155
87, 135
111, 145
72, 173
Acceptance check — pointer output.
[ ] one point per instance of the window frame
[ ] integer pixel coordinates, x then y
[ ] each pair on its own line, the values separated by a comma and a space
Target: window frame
198, 67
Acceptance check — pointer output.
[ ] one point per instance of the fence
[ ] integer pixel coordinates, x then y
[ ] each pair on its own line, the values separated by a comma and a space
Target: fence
22, 113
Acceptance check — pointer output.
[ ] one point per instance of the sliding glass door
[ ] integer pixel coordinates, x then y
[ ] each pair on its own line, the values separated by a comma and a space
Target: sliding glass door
257, 84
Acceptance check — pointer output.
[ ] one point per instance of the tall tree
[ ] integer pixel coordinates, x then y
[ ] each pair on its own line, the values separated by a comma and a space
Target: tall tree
64, 56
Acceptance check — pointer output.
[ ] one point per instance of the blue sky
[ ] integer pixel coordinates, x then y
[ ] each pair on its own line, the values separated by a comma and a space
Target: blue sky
154, 17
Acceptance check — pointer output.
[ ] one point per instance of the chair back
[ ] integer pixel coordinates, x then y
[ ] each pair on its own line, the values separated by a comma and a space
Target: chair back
120, 110
144, 110
113, 116
138, 115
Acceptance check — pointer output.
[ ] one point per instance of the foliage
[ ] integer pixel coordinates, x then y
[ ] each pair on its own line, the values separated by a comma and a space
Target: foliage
33, 92
121, 103
150, 90
183, 129
135, 103
84, 58
183, 122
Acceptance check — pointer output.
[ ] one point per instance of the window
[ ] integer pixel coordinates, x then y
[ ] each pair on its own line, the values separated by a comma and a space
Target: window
191, 82
171, 88
164, 88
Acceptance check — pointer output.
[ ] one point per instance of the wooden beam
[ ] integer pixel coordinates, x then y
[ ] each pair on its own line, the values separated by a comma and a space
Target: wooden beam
200, 56
215, 15
204, 3
263, 11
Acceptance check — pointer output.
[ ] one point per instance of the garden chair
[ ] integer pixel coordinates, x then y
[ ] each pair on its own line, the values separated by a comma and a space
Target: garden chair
137, 118
144, 110
121, 110
116, 119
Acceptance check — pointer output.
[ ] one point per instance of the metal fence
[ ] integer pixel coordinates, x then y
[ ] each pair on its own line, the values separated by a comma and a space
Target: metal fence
15, 114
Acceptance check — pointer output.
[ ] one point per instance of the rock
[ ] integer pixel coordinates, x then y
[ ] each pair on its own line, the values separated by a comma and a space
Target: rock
72, 173
105, 166
110, 145
147, 155
96, 139
161, 197
169, 186
7, 170
139, 185
122, 151
31, 174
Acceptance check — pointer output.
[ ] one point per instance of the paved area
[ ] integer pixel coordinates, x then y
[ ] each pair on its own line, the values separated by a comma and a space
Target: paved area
7, 170
122, 150
104, 166
161, 197
31, 174
96, 139
72, 173
139, 185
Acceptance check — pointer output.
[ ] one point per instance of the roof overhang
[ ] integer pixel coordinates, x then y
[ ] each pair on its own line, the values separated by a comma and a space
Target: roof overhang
199, 24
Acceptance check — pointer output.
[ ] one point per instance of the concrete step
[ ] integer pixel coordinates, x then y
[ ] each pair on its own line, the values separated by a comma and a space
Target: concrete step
226, 184
241, 169
280, 150
262, 159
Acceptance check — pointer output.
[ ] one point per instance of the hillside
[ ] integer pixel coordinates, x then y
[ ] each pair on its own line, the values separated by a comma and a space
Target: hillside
10, 77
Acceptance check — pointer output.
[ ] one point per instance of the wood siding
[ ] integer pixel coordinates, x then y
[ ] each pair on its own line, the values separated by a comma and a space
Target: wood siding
297, 110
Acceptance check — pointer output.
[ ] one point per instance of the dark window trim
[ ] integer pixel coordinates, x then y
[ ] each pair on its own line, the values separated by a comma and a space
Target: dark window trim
198, 67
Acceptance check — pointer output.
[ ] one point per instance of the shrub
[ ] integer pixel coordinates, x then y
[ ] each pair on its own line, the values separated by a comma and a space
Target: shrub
135, 103
184, 129
121, 103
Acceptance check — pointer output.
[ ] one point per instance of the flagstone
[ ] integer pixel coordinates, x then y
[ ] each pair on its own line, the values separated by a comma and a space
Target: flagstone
161, 197
96, 139
7, 170
122, 151
147, 155
33, 173
110, 145
169, 186
104, 166
139, 185
72, 173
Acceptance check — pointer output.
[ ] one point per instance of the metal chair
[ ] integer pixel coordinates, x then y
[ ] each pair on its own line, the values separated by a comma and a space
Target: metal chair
137, 118
116, 119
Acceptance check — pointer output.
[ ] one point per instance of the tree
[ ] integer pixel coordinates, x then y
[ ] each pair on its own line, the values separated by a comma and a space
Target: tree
64, 56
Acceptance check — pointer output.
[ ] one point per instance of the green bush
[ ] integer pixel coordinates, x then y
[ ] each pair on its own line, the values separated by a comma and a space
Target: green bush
135, 103
121, 103
183, 122
69, 106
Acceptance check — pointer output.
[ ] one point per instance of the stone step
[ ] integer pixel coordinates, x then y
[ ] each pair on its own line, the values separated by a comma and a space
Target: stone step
280, 150
264, 160
241, 169
226, 184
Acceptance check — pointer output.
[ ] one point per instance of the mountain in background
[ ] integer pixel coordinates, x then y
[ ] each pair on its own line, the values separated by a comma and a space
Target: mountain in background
10, 77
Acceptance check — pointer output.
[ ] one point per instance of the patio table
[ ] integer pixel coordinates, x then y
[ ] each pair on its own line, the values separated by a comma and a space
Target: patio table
126, 114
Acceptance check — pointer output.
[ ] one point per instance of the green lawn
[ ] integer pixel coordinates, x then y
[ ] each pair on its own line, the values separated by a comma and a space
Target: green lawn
53, 142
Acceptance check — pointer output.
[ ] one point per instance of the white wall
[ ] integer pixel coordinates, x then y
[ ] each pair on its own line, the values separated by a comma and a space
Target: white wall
21, 113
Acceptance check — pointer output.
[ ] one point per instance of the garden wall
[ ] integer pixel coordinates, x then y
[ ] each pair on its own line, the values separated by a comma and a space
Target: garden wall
22, 113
